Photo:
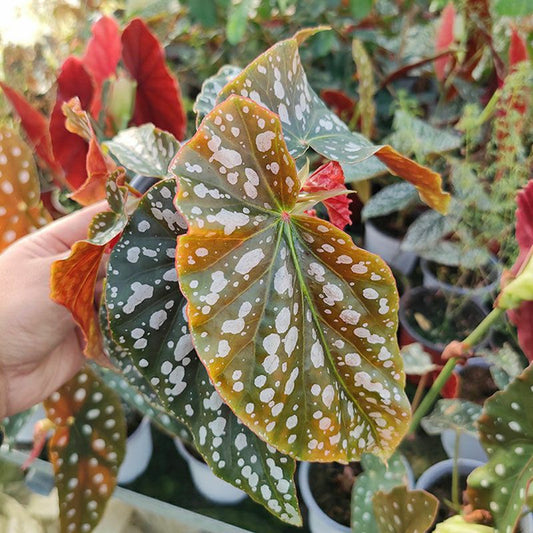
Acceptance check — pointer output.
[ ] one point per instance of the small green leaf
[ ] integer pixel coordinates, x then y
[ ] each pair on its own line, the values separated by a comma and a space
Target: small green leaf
360, 8
416, 361
405, 511
506, 430
13, 424
376, 477
426, 231
459, 415
513, 8
237, 20
390, 199
204, 11
145, 150
506, 364
294, 323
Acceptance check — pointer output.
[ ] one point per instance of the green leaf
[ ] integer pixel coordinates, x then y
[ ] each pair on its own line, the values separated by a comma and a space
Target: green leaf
376, 477
145, 150
457, 414
295, 324
416, 361
426, 231
86, 449
147, 319
276, 79
513, 8
204, 11
206, 100
360, 8
506, 364
390, 199
506, 430
405, 511
237, 19
13, 424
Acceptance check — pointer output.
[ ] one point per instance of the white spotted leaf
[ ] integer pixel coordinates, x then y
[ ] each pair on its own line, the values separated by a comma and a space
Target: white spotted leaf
276, 79
389, 200
416, 361
506, 433
405, 511
147, 320
86, 449
376, 476
295, 324
145, 150
456, 414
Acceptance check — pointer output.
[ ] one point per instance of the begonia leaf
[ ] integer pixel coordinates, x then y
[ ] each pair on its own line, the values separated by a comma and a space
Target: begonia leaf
405, 511
158, 96
147, 319
35, 125
145, 150
416, 361
207, 98
376, 476
444, 39
86, 449
70, 150
73, 280
506, 434
294, 323
20, 209
276, 79
456, 414
339, 102
390, 199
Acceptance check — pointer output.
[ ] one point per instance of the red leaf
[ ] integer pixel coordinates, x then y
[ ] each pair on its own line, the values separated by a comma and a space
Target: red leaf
35, 125
517, 49
158, 96
69, 149
444, 40
327, 178
339, 102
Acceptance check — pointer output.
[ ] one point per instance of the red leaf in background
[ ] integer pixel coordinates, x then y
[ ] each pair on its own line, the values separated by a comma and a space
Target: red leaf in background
70, 150
339, 102
35, 125
158, 96
444, 40
517, 49
102, 56
522, 317
327, 178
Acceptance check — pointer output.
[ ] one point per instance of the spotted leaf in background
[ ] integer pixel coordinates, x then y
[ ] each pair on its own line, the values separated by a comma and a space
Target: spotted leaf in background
156, 355
458, 415
376, 476
405, 511
506, 433
295, 324
86, 449
20, 208
276, 79
73, 280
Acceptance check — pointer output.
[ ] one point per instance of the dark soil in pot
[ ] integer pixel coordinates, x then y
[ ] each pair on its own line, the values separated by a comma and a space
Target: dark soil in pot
331, 485
476, 384
464, 278
395, 224
442, 489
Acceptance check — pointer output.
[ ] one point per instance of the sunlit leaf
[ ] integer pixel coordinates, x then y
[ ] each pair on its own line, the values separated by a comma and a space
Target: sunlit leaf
86, 449
390, 199
276, 79
207, 98
147, 319
20, 210
506, 432
158, 95
456, 414
295, 324
405, 511
416, 361
144, 150
376, 477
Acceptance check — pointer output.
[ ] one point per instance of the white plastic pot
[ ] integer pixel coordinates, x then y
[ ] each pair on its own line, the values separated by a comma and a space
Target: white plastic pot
210, 486
388, 248
138, 453
479, 294
318, 520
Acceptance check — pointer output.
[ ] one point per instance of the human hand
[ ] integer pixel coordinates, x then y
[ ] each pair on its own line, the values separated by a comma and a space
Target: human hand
41, 347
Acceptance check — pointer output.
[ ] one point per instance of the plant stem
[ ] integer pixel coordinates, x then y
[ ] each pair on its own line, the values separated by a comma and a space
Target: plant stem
455, 471
474, 338
419, 391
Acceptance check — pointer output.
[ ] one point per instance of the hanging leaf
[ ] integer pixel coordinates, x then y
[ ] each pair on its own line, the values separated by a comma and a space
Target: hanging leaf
405, 511
147, 319
376, 477
416, 361
444, 39
86, 449
506, 432
457, 414
158, 95
73, 280
144, 150
271, 293
20, 209
389, 200
206, 100
307, 122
